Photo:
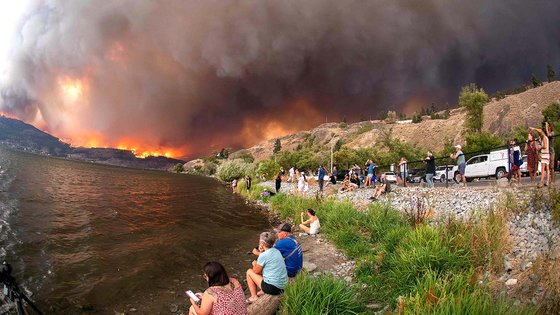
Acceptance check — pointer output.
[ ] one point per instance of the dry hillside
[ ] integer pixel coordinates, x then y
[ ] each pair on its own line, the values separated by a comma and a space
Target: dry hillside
500, 117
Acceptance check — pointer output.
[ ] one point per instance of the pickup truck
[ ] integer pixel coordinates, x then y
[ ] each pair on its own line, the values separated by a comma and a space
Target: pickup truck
494, 165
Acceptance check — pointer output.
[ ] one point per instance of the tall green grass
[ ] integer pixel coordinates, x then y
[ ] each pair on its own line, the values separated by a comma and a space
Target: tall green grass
430, 269
320, 295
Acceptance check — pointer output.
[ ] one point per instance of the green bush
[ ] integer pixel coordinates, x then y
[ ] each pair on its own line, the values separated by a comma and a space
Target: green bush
322, 295
230, 170
268, 168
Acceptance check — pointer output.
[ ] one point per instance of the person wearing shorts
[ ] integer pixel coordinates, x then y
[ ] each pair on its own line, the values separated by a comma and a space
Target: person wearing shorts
269, 271
461, 163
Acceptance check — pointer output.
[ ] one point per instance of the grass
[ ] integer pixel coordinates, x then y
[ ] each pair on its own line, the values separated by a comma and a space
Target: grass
415, 268
320, 295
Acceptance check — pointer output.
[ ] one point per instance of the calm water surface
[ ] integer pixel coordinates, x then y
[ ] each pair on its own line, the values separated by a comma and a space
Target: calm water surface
86, 238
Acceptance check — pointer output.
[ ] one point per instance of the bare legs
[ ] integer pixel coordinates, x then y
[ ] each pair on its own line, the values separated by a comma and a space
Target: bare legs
305, 228
254, 281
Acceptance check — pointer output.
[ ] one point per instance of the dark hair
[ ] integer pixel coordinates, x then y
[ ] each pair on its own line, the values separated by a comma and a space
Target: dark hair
216, 273
311, 211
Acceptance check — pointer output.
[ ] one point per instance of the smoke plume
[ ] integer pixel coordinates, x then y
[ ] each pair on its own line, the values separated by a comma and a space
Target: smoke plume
196, 76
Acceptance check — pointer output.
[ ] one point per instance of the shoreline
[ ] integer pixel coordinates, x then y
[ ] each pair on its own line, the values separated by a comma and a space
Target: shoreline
533, 236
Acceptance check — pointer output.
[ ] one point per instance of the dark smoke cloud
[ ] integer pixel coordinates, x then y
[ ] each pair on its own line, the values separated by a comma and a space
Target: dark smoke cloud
195, 72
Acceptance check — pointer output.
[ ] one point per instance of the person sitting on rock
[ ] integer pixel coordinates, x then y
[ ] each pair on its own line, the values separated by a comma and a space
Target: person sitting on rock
289, 247
347, 185
269, 270
223, 296
384, 187
313, 222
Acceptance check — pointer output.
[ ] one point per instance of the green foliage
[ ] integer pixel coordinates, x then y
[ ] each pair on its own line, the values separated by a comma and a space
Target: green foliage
416, 118
391, 117
246, 156
550, 74
343, 125
456, 294
269, 169
366, 127
432, 267
230, 170
535, 81
223, 154
554, 198
473, 99
482, 141
519, 133
277, 146
179, 168
552, 114
322, 295
209, 168
338, 144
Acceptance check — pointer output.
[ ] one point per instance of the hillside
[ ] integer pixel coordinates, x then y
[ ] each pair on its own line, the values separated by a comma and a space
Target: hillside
500, 117
17, 135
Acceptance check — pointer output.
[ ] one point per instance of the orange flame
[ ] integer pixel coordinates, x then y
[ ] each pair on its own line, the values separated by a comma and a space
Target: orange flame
72, 89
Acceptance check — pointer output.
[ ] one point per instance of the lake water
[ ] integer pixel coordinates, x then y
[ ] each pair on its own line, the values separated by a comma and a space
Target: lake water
86, 238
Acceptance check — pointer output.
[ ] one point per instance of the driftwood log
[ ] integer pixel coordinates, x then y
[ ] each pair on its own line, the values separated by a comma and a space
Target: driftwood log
265, 305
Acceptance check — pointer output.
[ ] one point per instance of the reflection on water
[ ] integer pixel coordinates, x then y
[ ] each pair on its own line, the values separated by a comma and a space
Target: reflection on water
82, 234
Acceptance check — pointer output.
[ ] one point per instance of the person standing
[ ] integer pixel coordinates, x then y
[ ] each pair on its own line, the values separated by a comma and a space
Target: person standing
291, 173
334, 174
369, 166
248, 182
430, 169
321, 177
532, 156
516, 161
278, 182
550, 133
403, 170
461, 163
545, 158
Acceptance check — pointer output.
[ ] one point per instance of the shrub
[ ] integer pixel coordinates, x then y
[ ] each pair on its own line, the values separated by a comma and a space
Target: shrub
391, 117
366, 127
473, 100
321, 295
178, 168
230, 170
268, 168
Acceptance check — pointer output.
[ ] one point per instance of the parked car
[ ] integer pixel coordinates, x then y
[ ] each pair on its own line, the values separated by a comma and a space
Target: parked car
391, 177
494, 165
443, 172
525, 171
417, 176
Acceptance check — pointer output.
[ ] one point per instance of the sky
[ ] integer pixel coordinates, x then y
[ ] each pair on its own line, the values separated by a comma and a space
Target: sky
187, 77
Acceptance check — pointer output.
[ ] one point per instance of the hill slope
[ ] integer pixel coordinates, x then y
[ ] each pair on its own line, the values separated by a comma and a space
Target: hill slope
17, 135
500, 117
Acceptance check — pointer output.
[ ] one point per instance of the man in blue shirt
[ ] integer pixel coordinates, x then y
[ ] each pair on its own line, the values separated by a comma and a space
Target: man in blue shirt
321, 177
290, 249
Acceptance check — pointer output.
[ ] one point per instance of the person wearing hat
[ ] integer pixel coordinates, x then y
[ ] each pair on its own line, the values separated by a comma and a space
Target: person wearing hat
289, 247
461, 165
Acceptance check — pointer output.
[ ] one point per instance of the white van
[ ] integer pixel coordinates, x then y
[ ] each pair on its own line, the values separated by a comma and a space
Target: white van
494, 165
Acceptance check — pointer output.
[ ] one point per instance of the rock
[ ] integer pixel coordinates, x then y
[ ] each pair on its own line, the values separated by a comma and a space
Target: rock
511, 282
507, 266
309, 266
133, 310
173, 308
526, 265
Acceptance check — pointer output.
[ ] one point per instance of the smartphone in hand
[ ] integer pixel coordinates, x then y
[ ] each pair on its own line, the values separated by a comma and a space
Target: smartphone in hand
193, 296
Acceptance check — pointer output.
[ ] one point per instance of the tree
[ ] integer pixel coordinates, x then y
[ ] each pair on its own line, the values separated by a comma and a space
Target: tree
391, 117
552, 114
179, 168
277, 146
416, 118
536, 82
473, 99
550, 74
268, 168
